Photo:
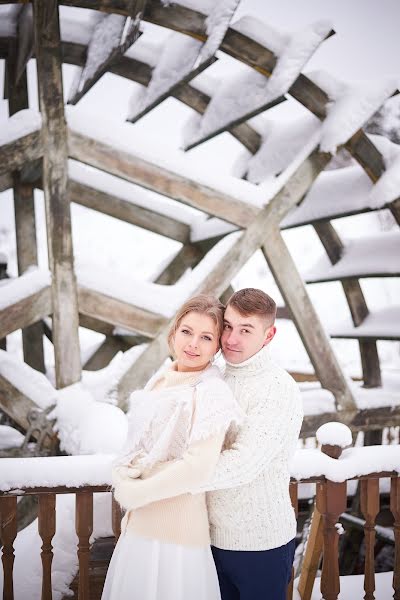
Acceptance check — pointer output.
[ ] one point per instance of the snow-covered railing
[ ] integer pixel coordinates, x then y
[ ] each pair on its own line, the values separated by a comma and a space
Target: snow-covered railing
330, 469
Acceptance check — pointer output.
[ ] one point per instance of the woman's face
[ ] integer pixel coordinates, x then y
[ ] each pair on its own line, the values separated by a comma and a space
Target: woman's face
195, 342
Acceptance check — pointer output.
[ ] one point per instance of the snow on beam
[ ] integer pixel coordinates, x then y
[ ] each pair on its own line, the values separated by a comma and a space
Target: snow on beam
135, 70
182, 59
335, 194
381, 324
159, 179
24, 300
127, 211
370, 256
15, 154
111, 38
16, 404
118, 313
252, 93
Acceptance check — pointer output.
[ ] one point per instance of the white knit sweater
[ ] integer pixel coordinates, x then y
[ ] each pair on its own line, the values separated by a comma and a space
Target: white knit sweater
250, 508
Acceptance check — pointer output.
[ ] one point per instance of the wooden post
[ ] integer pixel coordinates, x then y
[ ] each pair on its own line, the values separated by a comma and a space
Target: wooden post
84, 529
369, 496
58, 216
307, 322
294, 498
47, 529
331, 502
8, 533
395, 508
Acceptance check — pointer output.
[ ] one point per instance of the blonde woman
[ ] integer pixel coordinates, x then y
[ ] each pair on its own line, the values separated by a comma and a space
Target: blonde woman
178, 425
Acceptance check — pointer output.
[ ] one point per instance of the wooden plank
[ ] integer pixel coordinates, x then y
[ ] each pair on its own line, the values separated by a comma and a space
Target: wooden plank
55, 172
25, 312
16, 405
306, 319
119, 313
24, 202
187, 257
127, 211
312, 556
150, 176
105, 353
18, 152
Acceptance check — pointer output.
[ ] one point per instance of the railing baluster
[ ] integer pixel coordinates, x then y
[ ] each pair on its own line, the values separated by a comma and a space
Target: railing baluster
369, 497
331, 503
116, 516
84, 529
47, 529
294, 498
395, 508
8, 531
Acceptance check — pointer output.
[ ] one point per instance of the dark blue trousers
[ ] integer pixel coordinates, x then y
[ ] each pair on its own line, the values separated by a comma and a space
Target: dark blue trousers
254, 575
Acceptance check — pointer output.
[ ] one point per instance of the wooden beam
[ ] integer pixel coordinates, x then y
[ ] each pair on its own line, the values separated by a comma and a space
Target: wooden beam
362, 420
119, 313
16, 405
105, 353
150, 176
187, 257
25, 312
15, 154
55, 172
306, 319
127, 211
24, 202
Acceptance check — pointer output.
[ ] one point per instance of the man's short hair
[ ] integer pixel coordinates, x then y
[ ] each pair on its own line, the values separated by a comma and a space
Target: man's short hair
252, 301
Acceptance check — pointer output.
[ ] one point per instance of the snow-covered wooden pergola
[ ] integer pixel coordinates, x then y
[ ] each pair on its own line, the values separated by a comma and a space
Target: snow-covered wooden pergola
232, 222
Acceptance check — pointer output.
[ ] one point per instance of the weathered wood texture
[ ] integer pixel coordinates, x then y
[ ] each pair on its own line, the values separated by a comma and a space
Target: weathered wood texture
15, 154
16, 404
150, 176
127, 211
119, 313
58, 216
24, 204
25, 312
306, 319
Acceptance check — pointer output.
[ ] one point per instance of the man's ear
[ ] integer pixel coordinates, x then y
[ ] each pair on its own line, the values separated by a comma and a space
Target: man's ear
269, 335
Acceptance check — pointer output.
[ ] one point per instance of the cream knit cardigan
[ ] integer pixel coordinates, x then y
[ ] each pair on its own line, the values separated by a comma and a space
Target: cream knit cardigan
250, 508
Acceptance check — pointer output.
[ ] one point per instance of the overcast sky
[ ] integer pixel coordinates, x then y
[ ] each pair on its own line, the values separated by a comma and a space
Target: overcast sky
367, 40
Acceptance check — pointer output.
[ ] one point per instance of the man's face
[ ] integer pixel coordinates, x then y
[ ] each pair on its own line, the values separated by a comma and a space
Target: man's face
244, 336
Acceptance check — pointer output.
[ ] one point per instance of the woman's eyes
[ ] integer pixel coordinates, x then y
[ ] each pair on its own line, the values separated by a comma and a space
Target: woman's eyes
207, 337
185, 331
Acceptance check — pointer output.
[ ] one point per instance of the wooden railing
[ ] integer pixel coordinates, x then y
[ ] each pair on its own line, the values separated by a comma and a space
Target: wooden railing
330, 503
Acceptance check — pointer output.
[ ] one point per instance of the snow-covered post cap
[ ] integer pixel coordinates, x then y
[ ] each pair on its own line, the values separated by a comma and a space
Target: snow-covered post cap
333, 437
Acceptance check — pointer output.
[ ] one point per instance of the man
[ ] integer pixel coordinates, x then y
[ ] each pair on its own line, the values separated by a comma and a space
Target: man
252, 521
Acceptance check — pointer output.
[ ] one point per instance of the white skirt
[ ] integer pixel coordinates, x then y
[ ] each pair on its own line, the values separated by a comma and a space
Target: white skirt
146, 569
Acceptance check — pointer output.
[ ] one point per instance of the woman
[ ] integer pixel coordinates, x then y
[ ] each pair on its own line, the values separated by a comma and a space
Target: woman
178, 425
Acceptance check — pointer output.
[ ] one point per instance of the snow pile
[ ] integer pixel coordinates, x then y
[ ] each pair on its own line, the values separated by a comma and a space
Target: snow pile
367, 256
8, 20
334, 193
248, 92
54, 471
105, 38
387, 188
350, 106
261, 32
30, 382
353, 462
334, 434
10, 437
217, 24
380, 324
282, 141
20, 124
32, 281
85, 426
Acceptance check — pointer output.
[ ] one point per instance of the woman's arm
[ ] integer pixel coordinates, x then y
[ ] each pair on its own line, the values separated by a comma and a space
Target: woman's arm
170, 479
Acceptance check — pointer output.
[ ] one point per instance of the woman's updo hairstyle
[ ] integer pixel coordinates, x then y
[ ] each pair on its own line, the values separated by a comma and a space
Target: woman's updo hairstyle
202, 304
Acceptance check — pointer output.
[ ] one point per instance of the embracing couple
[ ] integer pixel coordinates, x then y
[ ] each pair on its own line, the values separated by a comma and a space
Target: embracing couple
204, 477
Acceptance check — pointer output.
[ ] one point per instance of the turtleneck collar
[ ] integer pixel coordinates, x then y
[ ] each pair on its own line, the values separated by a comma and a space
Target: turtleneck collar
256, 363
171, 377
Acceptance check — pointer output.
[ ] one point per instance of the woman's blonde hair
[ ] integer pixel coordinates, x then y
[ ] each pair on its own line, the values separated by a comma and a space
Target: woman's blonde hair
203, 305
